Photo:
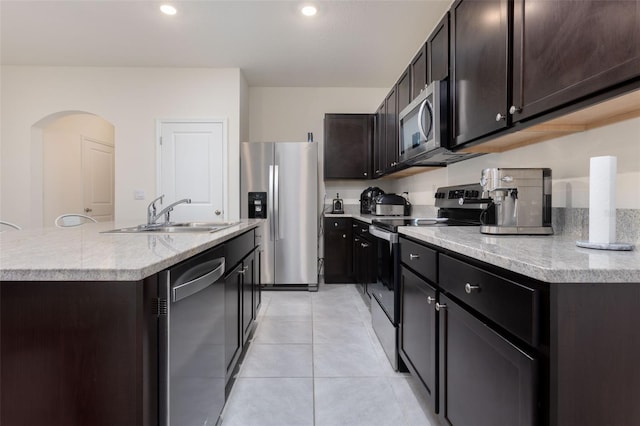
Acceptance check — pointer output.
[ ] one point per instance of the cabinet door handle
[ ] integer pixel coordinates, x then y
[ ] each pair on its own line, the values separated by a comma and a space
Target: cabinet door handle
414, 256
470, 288
500, 117
430, 299
514, 109
344, 235
440, 306
364, 245
335, 224
354, 225
364, 174
378, 171
242, 271
357, 240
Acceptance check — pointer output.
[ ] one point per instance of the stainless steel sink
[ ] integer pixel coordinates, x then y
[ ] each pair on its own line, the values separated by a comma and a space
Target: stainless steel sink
171, 228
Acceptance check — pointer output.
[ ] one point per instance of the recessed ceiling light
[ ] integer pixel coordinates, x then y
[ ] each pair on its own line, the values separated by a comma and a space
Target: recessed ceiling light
309, 10
168, 9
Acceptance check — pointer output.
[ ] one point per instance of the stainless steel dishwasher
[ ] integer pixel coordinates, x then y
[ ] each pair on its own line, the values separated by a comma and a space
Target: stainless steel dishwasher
192, 359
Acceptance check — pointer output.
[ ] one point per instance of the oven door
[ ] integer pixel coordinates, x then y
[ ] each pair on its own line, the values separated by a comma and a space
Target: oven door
384, 287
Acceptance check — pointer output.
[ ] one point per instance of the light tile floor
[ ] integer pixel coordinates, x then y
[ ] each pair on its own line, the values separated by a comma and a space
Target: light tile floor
315, 360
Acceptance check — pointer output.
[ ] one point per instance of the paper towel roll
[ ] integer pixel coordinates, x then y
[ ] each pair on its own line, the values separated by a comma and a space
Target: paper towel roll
602, 199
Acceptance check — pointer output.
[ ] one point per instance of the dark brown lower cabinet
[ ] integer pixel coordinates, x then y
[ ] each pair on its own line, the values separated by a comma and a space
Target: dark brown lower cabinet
337, 250
419, 332
248, 289
484, 378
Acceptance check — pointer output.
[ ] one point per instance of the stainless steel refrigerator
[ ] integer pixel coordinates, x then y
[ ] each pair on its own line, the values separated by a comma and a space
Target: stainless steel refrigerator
279, 182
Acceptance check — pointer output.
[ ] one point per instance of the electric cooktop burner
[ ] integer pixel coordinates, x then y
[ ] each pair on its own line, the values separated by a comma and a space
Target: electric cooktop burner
392, 224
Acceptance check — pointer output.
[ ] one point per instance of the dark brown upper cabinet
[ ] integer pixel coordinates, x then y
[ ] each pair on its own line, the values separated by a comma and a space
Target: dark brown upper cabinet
404, 89
565, 50
419, 71
438, 48
348, 141
479, 68
379, 142
391, 129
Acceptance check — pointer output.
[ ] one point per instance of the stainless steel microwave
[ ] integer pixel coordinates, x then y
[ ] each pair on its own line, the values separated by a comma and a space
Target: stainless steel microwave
423, 123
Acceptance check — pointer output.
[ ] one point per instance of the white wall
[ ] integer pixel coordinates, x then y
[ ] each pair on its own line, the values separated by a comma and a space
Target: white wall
568, 157
132, 99
289, 113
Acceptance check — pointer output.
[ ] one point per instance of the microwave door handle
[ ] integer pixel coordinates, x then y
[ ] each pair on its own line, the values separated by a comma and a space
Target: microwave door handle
420, 115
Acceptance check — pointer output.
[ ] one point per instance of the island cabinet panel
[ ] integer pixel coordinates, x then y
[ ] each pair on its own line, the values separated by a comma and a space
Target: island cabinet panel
595, 348
479, 68
565, 50
484, 379
78, 353
419, 332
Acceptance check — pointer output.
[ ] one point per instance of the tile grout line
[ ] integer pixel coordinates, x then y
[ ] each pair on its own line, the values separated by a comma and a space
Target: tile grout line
313, 369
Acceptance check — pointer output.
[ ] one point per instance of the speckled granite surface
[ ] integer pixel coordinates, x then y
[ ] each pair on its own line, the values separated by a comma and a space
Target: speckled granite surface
554, 259
84, 254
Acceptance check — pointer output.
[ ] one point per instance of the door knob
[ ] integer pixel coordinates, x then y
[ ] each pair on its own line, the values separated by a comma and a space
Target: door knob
217, 212
87, 210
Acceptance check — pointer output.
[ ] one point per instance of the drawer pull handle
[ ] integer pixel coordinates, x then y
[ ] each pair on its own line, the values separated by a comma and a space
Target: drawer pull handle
440, 306
414, 256
469, 288
430, 299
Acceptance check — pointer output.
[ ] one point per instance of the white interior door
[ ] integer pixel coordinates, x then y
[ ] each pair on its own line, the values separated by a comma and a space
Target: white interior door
193, 165
98, 179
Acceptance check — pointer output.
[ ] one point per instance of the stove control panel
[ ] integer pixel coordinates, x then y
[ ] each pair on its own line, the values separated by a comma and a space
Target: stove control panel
460, 196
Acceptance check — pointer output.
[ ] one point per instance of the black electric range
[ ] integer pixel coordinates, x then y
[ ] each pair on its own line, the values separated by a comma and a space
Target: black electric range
460, 205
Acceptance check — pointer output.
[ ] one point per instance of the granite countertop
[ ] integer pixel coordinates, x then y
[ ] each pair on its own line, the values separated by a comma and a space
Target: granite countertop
84, 254
553, 259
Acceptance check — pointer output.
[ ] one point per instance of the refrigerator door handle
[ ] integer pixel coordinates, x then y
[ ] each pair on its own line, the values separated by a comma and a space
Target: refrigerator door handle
270, 204
276, 202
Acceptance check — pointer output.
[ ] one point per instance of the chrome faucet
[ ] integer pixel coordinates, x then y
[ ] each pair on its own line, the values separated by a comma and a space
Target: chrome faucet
153, 217
151, 210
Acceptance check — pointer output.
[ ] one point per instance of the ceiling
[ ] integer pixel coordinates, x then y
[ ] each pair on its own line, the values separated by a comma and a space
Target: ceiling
364, 43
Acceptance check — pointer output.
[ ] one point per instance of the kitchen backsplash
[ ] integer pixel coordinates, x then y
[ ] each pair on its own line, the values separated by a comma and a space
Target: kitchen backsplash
574, 222
570, 222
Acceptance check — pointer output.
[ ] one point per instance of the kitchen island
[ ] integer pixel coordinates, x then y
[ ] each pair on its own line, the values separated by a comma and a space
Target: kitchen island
80, 313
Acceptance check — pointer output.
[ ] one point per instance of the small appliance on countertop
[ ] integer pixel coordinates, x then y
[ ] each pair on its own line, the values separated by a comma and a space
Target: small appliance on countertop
368, 199
337, 205
391, 205
520, 201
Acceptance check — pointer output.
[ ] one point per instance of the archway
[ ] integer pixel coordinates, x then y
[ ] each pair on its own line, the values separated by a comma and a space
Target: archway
72, 166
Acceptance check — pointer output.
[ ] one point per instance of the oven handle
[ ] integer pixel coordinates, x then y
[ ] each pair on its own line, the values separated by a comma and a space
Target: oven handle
392, 237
